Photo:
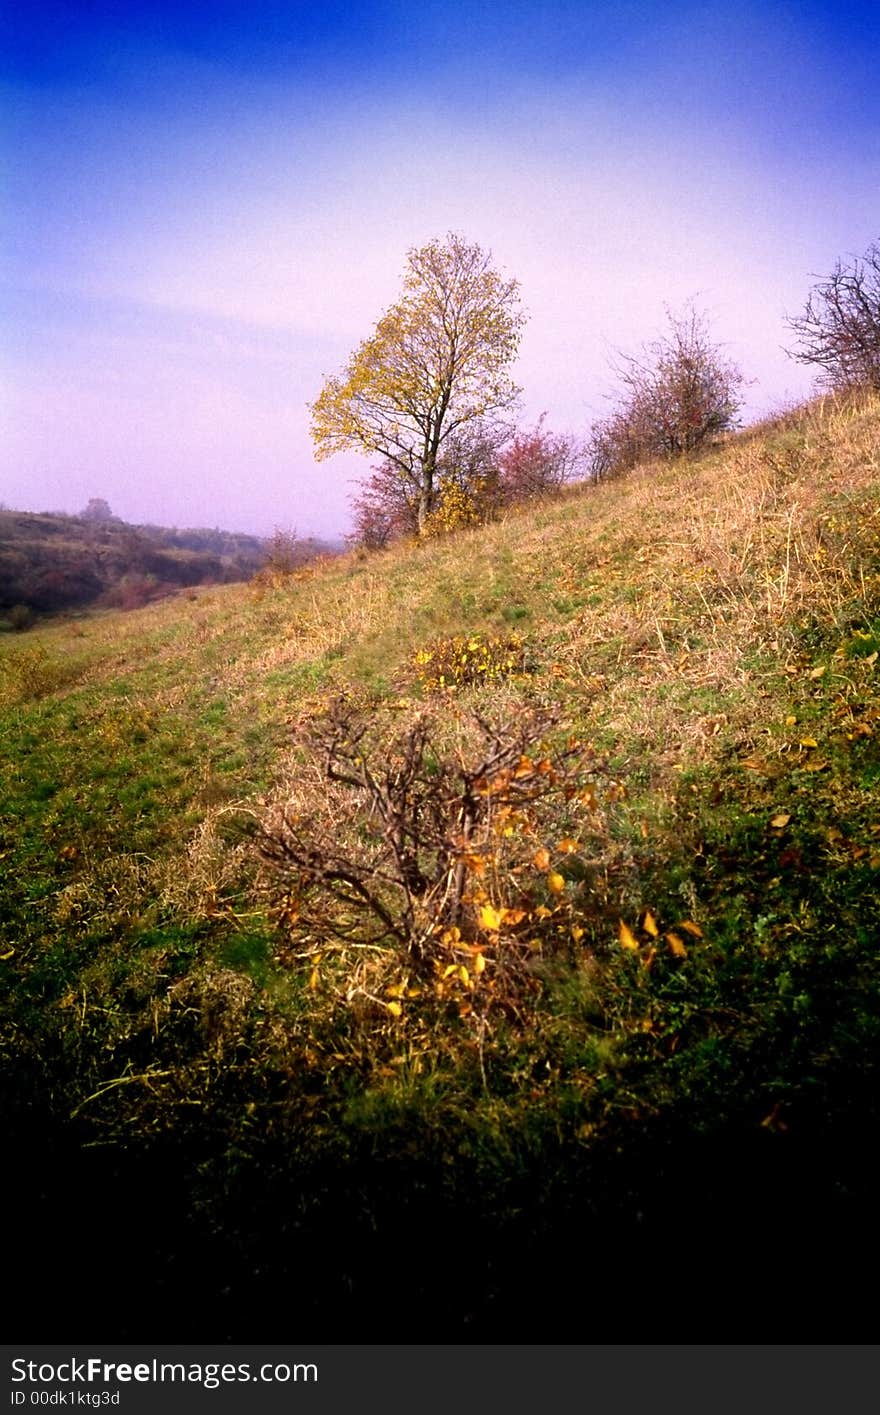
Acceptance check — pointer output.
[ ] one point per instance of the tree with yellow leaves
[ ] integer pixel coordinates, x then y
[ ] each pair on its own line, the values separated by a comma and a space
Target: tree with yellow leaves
437, 362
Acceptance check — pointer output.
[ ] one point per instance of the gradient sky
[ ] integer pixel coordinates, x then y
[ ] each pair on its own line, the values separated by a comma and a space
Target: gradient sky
208, 206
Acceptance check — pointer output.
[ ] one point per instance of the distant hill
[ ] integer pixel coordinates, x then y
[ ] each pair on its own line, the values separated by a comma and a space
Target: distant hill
50, 562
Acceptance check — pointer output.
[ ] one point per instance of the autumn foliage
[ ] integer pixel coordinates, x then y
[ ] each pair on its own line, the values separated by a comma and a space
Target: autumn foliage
537, 464
481, 472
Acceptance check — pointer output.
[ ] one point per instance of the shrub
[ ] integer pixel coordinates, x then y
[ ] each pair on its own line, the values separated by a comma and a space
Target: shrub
677, 395
537, 464
28, 674
839, 330
465, 490
17, 619
432, 864
133, 591
461, 660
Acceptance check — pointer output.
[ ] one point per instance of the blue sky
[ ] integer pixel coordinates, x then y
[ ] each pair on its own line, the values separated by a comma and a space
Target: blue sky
207, 207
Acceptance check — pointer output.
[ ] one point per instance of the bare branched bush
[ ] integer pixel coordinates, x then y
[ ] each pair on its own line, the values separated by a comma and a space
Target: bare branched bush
677, 395
448, 847
839, 330
287, 556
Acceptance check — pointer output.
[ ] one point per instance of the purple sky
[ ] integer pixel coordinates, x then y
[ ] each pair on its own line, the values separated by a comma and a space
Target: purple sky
208, 208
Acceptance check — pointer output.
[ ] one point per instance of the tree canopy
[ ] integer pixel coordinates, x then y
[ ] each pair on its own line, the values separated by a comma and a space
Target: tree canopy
436, 362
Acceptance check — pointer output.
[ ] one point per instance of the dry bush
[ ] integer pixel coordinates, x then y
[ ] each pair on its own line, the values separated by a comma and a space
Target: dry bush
678, 395
431, 862
839, 330
32, 673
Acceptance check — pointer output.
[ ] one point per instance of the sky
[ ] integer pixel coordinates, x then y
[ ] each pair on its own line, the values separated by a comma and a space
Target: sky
206, 208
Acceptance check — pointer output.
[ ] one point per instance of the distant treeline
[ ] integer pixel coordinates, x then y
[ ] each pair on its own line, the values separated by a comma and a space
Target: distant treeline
52, 562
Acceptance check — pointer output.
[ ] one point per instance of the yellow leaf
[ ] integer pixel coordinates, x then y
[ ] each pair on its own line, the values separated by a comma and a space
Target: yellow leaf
567, 846
512, 916
394, 1008
577, 933
790, 720
542, 912
817, 672
490, 918
8, 954
690, 927
556, 883
476, 863
396, 990
450, 968
541, 858
479, 964
464, 974
626, 937
313, 979
808, 742
676, 946
781, 820
649, 924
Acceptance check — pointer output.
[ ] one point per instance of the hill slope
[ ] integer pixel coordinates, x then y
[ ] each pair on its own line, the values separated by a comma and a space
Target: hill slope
665, 1060
52, 563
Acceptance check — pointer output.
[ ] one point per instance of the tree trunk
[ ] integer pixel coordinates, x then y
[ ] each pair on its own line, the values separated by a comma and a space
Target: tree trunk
426, 494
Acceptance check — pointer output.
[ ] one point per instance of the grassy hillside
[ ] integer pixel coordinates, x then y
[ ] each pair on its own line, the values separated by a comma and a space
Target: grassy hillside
644, 1059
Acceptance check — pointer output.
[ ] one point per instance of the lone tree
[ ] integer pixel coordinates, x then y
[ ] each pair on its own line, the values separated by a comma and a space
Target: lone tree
839, 330
676, 396
97, 510
437, 361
